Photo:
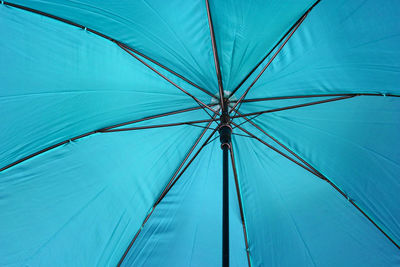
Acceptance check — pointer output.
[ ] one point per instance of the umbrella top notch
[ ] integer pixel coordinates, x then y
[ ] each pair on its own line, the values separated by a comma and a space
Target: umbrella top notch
229, 100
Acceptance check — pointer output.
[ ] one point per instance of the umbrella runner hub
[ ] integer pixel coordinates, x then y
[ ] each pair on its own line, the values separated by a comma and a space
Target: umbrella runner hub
225, 130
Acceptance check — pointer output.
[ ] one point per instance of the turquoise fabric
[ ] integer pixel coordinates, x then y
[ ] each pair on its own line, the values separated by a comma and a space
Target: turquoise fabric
71, 82
295, 219
181, 42
363, 130
344, 49
246, 30
187, 223
82, 203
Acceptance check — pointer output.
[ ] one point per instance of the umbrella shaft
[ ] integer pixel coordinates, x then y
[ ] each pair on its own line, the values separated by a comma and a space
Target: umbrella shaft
225, 208
225, 132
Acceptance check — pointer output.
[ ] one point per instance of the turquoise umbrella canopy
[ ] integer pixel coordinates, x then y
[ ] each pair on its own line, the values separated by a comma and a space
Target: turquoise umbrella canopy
113, 115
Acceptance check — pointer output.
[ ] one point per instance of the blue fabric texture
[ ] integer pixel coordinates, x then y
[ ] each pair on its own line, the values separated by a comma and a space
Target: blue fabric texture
107, 159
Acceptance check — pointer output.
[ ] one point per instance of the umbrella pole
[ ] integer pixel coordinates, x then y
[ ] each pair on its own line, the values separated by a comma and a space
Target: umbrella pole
225, 132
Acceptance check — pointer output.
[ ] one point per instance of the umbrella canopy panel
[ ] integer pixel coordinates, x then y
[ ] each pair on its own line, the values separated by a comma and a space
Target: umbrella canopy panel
185, 229
81, 203
351, 142
347, 47
246, 30
294, 218
176, 35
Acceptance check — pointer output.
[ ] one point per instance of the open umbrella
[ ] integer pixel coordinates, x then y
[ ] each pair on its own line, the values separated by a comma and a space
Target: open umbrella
199, 133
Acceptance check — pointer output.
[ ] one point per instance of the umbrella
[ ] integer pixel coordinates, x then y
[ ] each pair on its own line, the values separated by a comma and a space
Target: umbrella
199, 133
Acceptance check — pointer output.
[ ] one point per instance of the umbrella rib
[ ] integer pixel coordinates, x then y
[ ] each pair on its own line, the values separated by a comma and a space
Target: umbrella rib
312, 96
93, 132
105, 37
216, 59
295, 106
198, 101
156, 126
246, 119
170, 184
273, 48
269, 62
323, 177
239, 197
191, 160
212, 140
167, 69
46, 149
282, 145
199, 126
358, 208
256, 114
275, 149
320, 175
153, 117
244, 135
